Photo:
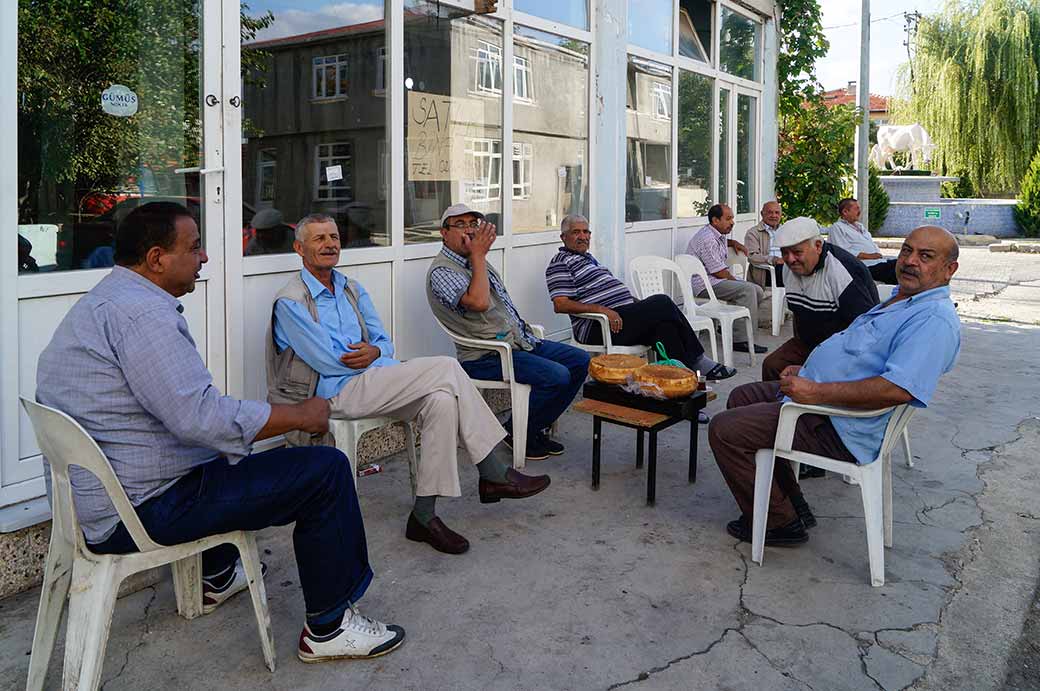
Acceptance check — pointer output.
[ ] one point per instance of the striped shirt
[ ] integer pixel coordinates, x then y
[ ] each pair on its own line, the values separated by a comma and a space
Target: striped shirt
580, 277
708, 245
449, 287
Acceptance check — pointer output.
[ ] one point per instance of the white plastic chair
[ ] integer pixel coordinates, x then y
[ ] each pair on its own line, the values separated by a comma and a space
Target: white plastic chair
348, 433
519, 394
726, 314
874, 479
608, 346
647, 275
91, 581
775, 293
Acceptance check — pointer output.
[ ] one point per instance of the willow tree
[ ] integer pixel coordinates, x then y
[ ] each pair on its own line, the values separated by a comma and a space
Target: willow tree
973, 84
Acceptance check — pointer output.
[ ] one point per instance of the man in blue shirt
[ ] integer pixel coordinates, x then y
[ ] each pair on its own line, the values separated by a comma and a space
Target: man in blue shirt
329, 341
893, 354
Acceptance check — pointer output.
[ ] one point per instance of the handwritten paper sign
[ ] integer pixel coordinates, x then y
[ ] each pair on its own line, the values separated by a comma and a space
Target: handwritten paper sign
438, 129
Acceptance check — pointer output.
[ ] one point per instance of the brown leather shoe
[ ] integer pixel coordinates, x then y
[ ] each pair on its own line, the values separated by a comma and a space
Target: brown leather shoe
439, 536
516, 486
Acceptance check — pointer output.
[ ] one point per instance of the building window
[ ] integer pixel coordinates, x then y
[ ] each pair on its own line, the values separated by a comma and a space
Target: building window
738, 45
522, 78
485, 158
662, 94
330, 77
723, 186
523, 162
489, 67
695, 144
380, 70
333, 160
265, 176
573, 12
695, 29
747, 139
650, 24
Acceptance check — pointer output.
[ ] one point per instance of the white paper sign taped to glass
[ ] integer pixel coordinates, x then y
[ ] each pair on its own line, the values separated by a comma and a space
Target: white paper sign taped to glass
442, 134
119, 100
334, 173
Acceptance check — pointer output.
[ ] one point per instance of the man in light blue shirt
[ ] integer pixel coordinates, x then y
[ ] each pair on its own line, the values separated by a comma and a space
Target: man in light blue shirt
891, 355
329, 341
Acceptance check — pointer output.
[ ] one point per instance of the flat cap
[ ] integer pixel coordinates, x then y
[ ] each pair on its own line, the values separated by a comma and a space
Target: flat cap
797, 230
267, 218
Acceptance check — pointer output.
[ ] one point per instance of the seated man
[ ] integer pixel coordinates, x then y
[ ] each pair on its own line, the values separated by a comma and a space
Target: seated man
826, 289
271, 234
470, 298
124, 366
709, 245
893, 354
578, 283
762, 249
329, 341
850, 235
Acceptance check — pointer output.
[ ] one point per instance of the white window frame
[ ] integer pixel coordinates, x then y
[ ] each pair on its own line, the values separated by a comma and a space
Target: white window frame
319, 66
263, 166
523, 167
485, 156
522, 80
661, 93
380, 88
325, 161
488, 60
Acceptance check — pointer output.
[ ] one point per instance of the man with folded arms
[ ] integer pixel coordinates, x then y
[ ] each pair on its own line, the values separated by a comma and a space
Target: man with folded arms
124, 366
328, 341
578, 283
893, 354
470, 298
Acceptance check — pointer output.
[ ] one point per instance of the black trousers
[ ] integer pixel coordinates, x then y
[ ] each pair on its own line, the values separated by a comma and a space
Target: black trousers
654, 319
884, 272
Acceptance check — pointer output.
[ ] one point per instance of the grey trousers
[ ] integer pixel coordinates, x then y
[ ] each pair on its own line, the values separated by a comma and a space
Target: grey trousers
438, 394
743, 293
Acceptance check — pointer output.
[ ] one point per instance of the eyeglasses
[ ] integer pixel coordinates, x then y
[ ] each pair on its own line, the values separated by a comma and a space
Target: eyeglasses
462, 225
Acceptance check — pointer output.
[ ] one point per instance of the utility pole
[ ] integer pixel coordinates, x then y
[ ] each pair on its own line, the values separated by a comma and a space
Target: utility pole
863, 102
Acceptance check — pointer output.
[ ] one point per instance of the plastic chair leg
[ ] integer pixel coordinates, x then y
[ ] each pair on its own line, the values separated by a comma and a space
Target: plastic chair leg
413, 463
906, 447
93, 597
187, 585
887, 499
778, 310
57, 578
750, 341
871, 489
255, 576
727, 344
519, 395
764, 461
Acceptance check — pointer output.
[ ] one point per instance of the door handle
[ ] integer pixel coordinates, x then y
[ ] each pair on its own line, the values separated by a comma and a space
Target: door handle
200, 171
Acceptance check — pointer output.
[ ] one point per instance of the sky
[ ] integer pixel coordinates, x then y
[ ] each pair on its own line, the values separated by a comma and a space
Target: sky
887, 53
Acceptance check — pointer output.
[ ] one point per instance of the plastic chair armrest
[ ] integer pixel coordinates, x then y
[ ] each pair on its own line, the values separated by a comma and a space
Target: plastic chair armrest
791, 411
602, 321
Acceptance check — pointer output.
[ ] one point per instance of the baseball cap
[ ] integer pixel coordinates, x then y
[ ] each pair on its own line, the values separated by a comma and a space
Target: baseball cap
458, 210
796, 230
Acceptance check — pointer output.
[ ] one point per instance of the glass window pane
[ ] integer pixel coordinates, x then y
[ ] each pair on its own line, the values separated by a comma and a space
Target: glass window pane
738, 45
550, 131
650, 24
107, 114
695, 18
695, 112
305, 150
648, 189
747, 124
453, 116
723, 196
572, 12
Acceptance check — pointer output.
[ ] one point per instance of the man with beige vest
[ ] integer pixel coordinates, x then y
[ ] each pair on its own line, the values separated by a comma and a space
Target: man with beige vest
328, 341
470, 298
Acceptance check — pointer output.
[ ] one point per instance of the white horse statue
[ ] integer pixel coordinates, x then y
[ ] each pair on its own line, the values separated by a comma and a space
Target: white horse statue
892, 139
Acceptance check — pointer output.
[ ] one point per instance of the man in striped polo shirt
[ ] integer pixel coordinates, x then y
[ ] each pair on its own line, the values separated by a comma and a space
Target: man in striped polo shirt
578, 283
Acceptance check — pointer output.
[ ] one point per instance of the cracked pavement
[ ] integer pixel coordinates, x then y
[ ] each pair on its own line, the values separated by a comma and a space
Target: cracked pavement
583, 589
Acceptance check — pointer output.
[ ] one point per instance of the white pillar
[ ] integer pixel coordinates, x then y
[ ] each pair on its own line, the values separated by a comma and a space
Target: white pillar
607, 172
770, 123
863, 133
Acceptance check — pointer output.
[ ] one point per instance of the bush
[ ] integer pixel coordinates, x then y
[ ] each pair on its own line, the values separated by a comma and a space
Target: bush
1027, 213
962, 189
878, 210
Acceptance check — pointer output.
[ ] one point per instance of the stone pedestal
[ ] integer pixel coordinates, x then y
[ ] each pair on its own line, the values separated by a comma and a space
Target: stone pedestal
917, 201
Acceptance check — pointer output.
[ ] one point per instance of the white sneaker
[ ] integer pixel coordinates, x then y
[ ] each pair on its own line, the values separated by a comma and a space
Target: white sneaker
357, 638
213, 597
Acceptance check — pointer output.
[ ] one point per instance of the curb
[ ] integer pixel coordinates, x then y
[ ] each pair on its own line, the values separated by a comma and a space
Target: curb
1023, 248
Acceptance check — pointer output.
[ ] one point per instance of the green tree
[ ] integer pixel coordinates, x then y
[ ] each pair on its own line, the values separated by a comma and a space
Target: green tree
878, 200
975, 89
1027, 213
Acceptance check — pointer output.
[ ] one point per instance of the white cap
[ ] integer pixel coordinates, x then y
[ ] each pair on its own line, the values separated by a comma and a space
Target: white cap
796, 231
458, 210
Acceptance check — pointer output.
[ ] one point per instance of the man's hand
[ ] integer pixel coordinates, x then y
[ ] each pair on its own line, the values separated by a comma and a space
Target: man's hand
738, 247
777, 261
314, 415
614, 318
480, 242
800, 389
362, 355
791, 371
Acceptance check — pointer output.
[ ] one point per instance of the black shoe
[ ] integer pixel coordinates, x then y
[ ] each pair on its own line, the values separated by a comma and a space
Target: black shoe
719, 372
742, 348
535, 450
808, 472
785, 536
554, 448
804, 512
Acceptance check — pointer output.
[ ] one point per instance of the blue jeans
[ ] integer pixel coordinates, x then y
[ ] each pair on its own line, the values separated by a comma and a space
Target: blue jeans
310, 486
554, 370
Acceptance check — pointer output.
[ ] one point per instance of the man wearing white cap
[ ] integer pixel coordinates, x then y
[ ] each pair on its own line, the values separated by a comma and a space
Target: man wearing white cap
827, 288
469, 297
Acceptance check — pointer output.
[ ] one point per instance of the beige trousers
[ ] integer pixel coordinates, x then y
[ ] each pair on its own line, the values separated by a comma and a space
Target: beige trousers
450, 412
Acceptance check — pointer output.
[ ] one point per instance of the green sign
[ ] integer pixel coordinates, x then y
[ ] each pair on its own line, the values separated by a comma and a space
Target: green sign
933, 213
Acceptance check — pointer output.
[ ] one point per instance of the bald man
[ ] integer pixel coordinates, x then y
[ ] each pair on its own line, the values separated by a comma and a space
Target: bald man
893, 354
762, 249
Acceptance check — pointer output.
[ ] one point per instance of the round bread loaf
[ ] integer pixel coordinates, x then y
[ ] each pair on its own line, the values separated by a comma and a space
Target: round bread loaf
673, 382
614, 369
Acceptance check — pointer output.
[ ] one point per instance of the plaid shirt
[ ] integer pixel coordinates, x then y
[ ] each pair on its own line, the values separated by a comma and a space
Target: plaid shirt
449, 287
708, 245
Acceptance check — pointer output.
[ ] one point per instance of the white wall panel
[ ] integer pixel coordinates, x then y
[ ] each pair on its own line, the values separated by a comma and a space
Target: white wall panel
525, 280
420, 334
